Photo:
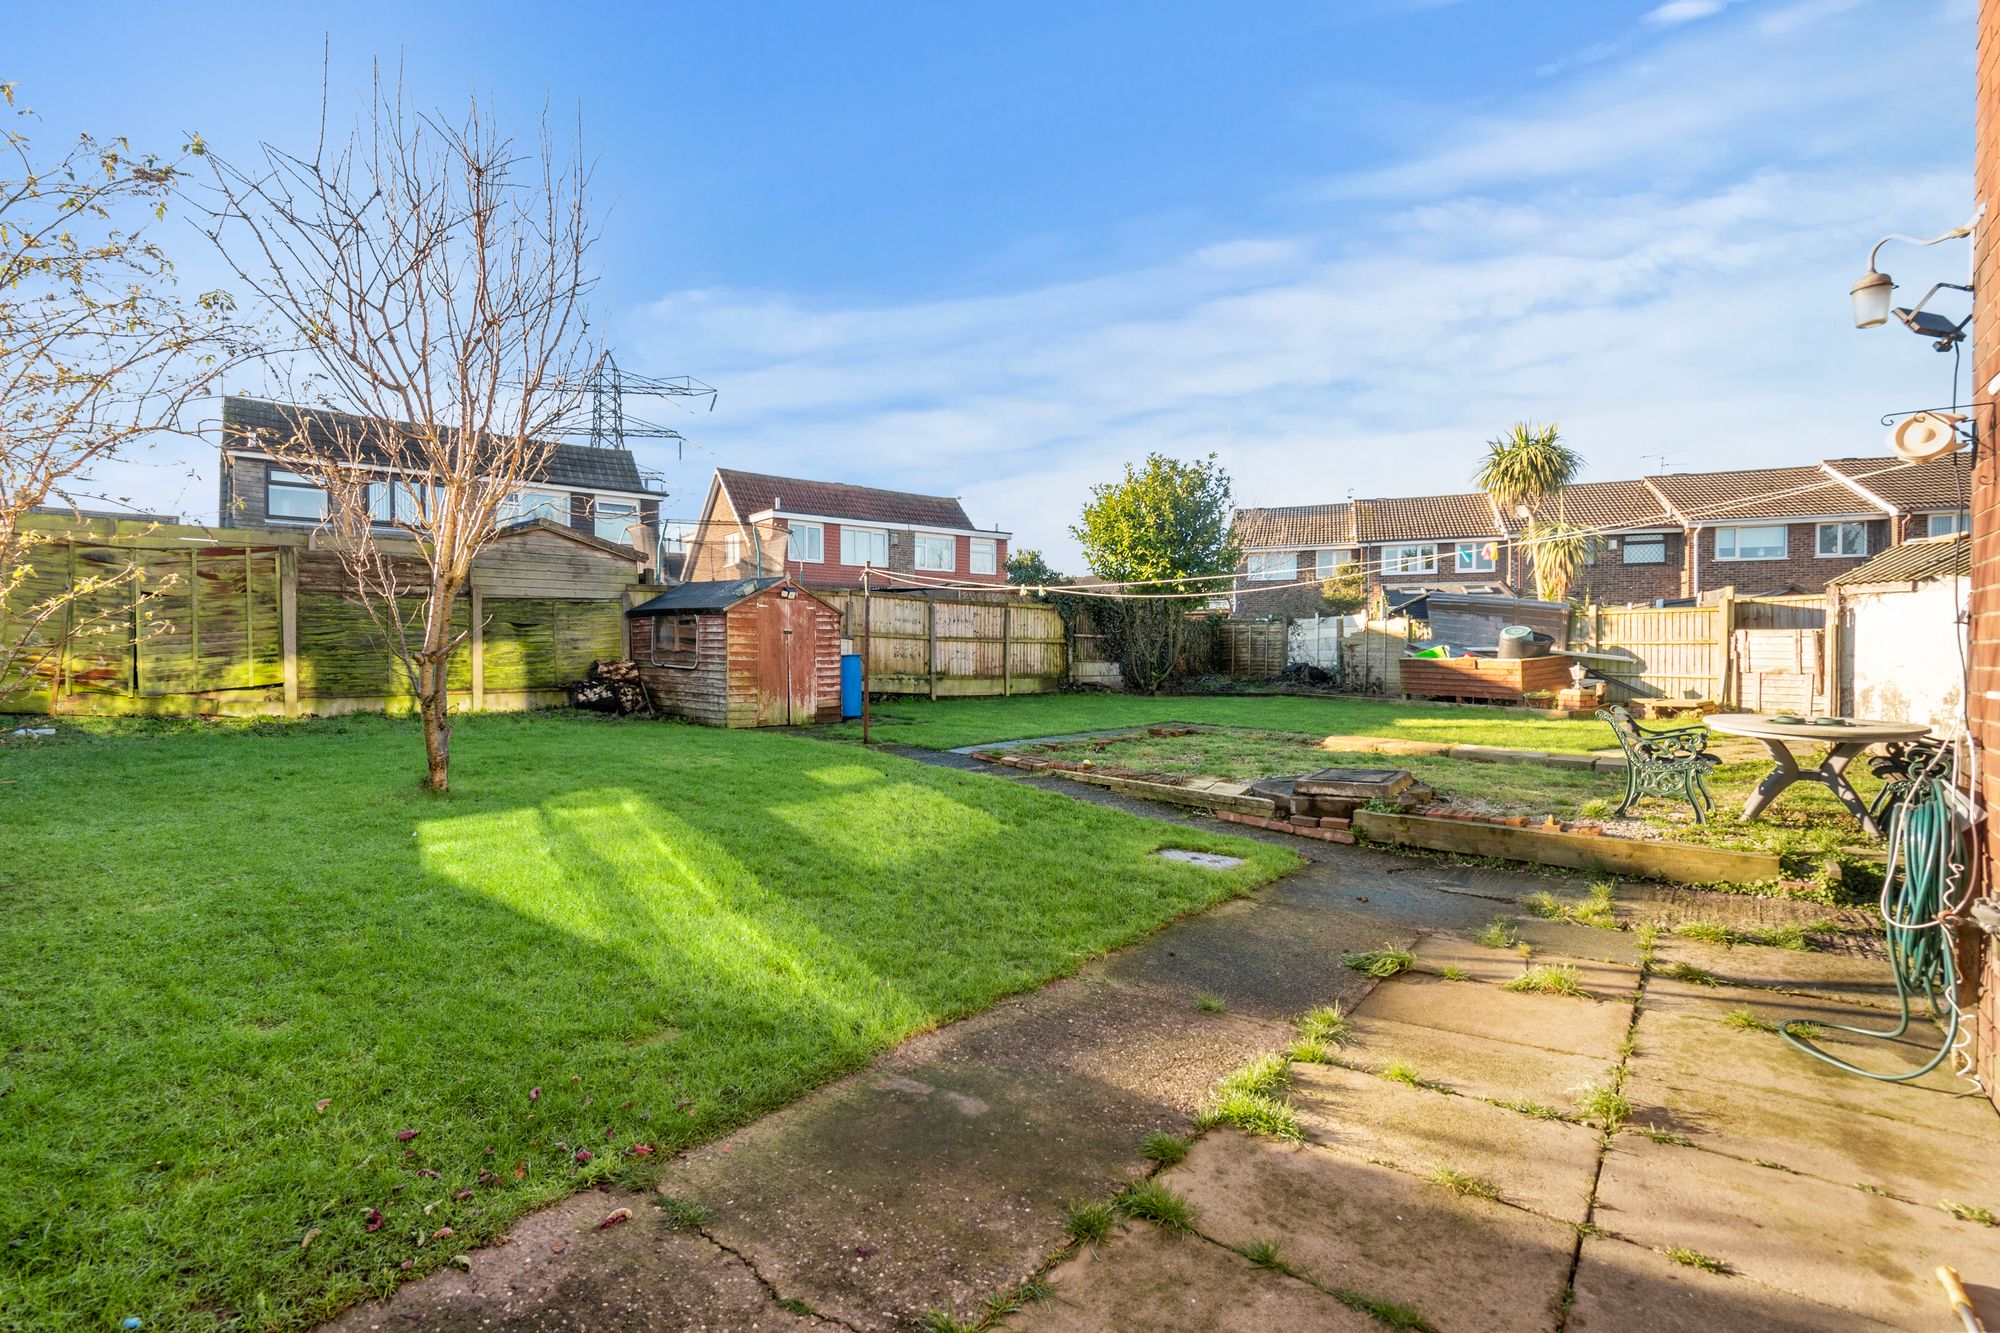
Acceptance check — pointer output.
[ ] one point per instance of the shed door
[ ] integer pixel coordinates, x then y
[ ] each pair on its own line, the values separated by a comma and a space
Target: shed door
785, 641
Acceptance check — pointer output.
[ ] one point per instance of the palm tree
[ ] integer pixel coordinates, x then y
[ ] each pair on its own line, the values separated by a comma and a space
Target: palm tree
1524, 471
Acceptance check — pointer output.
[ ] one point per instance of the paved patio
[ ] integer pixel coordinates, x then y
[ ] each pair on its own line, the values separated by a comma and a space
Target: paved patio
937, 1179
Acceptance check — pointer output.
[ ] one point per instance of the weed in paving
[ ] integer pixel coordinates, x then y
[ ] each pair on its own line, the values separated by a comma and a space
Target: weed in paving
943, 1321
1088, 1222
1688, 1258
681, 1214
1549, 979
1310, 1051
1327, 1023
1388, 961
1603, 1103
1386, 1313
1264, 1254
1694, 976
1779, 937
1534, 1110
1969, 1212
1449, 973
1209, 1004
1163, 1148
793, 1305
1253, 1114
1155, 1202
1710, 932
1746, 1020
1462, 1183
1498, 934
1666, 1136
1265, 1076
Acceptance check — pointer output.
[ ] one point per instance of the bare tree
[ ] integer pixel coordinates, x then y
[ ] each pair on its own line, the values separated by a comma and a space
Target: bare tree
99, 358
435, 277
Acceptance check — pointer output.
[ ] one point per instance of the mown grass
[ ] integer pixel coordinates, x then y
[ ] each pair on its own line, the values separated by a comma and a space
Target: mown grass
949, 723
255, 983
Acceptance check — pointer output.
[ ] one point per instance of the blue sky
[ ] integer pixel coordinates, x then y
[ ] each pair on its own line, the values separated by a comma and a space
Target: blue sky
997, 251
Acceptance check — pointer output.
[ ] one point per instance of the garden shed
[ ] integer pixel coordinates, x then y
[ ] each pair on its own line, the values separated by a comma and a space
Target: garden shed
1899, 643
739, 653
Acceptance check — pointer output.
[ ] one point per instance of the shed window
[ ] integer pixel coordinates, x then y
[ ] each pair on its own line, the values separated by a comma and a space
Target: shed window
1271, 566
1759, 543
289, 495
1415, 558
937, 553
675, 640
985, 555
1843, 539
808, 542
1943, 525
864, 546
1649, 549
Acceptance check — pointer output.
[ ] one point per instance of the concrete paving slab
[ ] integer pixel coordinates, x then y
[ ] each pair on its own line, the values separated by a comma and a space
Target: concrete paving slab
1849, 978
1263, 958
1543, 1165
1552, 1022
1796, 1234
1621, 1287
1146, 1279
1497, 967
1464, 1263
1574, 941
1472, 1066
558, 1271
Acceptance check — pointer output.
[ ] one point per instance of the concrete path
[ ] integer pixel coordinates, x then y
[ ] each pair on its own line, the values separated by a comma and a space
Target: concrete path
1450, 1175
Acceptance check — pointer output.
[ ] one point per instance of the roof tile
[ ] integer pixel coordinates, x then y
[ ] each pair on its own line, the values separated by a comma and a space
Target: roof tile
1426, 518
1775, 492
1296, 527
754, 492
1941, 484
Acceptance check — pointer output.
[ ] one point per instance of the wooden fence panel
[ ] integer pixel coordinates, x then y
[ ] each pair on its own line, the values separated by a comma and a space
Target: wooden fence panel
1670, 652
921, 644
1806, 611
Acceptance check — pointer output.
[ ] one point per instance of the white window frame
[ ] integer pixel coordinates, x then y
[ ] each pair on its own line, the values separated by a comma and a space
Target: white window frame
622, 514
1736, 541
1271, 566
1410, 558
851, 540
1840, 532
923, 542
527, 504
983, 556
798, 548
1943, 525
1647, 539
1329, 561
1478, 564
278, 480
732, 548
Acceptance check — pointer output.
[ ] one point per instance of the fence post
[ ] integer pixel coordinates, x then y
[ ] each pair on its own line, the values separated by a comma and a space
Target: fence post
288, 626
930, 641
1725, 631
1006, 649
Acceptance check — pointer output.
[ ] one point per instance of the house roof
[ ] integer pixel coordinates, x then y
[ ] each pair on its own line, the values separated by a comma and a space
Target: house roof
1296, 526
1913, 562
1943, 483
755, 492
1774, 492
252, 423
1608, 506
1425, 518
717, 595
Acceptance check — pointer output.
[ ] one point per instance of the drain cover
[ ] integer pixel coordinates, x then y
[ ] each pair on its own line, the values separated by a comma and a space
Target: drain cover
1207, 860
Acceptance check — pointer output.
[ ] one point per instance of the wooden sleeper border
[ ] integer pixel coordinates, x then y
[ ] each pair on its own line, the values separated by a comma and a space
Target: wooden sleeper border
1648, 858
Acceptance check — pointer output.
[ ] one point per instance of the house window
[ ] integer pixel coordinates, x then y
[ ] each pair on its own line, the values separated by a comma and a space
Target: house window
289, 495
1271, 566
1843, 539
985, 555
732, 548
808, 542
1650, 549
676, 640
1941, 525
381, 502
937, 553
1477, 557
1326, 564
612, 520
416, 503
527, 506
1762, 543
864, 546
1414, 558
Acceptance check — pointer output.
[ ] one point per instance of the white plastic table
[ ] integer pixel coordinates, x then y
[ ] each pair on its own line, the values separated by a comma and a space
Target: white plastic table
1845, 742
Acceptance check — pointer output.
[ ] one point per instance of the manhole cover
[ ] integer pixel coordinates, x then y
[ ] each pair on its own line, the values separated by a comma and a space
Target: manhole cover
1362, 782
1207, 860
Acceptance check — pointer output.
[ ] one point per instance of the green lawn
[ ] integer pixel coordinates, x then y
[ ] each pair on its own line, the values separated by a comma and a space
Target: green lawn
610, 935
950, 723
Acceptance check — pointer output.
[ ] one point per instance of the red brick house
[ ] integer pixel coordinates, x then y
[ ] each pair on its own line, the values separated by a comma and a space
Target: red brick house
1642, 552
1772, 530
1451, 543
1295, 545
1928, 499
823, 533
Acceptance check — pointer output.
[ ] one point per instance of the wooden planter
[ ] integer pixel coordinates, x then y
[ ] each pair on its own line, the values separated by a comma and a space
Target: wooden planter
1486, 679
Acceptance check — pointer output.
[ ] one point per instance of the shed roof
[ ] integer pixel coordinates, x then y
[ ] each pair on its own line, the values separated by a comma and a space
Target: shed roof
714, 595
1772, 492
1913, 562
1300, 526
1425, 518
254, 424
1943, 483
755, 492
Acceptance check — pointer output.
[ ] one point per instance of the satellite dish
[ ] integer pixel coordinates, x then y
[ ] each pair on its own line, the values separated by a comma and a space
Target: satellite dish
1927, 435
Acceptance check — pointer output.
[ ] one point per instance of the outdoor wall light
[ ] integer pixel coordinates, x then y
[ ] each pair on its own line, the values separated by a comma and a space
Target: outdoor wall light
1871, 297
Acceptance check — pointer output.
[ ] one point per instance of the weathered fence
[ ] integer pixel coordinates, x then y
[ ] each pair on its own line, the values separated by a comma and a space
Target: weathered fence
1738, 650
242, 623
921, 643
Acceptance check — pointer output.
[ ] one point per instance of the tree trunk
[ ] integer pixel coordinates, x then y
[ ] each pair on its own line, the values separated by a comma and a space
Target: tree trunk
433, 694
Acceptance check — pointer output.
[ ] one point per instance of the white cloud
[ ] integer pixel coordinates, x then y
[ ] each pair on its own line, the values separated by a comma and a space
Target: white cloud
1683, 11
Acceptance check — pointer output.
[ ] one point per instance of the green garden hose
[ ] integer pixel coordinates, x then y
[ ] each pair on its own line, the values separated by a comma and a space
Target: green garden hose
1927, 871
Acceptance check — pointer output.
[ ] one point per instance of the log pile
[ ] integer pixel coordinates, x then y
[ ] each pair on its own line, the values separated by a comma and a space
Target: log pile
613, 686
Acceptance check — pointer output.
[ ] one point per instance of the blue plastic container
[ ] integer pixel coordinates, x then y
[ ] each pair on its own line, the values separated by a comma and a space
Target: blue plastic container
850, 686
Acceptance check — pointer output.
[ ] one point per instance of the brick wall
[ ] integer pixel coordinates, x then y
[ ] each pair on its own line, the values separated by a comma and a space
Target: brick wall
1612, 582
1979, 960
1802, 567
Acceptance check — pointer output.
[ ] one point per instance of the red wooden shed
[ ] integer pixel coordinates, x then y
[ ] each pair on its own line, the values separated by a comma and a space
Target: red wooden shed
739, 653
